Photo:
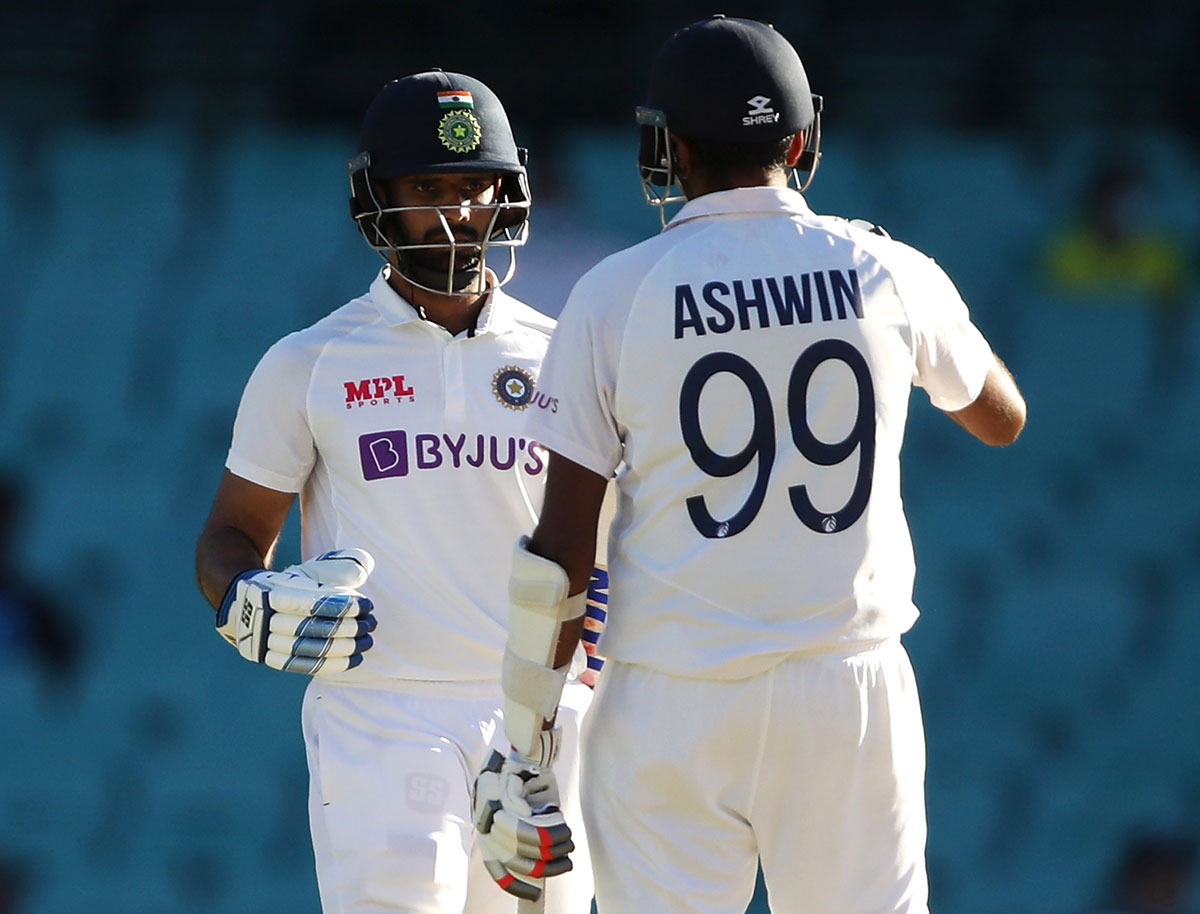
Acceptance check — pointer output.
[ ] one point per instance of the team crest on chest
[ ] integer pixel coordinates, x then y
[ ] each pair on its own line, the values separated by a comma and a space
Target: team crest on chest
459, 130
513, 387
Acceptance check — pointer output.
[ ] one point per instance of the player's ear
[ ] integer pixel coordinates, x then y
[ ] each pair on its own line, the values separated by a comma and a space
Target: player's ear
796, 149
681, 153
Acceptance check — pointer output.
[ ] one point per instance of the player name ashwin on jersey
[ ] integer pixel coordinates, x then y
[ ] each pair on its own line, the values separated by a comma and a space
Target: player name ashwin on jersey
742, 304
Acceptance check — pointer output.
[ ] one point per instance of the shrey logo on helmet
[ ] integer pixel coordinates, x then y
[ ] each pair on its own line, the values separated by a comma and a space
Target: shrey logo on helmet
433, 123
760, 111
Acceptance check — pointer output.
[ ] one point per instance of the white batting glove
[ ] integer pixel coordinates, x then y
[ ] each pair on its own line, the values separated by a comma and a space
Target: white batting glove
308, 618
522, 835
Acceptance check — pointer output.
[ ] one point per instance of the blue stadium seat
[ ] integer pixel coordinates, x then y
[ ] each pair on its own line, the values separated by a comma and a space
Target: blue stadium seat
604, 189
115, 204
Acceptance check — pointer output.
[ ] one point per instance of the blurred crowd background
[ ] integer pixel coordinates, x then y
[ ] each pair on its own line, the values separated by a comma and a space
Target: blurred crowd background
173, 199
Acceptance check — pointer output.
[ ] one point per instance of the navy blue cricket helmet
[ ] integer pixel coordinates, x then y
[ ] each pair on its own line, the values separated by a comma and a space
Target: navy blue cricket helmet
430, 123
726, 80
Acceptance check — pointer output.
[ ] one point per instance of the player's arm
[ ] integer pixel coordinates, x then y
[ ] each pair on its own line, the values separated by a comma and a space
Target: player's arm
997, 415
240, 534
308, 618
548, 599
522, 834
597, 591
566, 534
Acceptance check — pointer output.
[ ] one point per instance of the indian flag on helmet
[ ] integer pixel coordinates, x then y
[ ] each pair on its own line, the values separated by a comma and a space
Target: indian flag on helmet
455, 98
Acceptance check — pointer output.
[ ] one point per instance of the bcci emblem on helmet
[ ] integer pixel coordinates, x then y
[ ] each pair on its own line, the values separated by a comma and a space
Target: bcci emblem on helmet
459, 131
513, 387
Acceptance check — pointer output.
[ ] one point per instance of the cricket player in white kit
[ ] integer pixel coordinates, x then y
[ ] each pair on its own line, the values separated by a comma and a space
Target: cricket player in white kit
746, 374
398, 420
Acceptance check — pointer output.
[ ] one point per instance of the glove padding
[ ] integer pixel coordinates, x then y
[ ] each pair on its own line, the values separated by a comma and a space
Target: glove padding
520, 828
308, 618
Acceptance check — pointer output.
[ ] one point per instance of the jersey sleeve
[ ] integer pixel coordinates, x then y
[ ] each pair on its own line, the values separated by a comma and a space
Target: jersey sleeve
272, 440
951, 356
573, 413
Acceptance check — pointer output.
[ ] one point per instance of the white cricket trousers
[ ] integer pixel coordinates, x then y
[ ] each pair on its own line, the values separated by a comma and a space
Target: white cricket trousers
390, 779
817, 766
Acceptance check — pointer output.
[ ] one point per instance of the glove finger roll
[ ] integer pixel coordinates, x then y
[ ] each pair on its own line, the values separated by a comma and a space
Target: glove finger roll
512, 832
319, 647
289, 663
532, 835
511, 841
327, 605
537, 869
505, 851
317, 627
510, 883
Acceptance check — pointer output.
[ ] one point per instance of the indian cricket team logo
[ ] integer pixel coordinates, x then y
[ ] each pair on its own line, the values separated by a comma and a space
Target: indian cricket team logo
513, 387
459, 130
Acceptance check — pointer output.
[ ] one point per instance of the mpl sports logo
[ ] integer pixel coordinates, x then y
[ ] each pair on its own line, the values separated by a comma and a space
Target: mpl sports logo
759, 112
378, 391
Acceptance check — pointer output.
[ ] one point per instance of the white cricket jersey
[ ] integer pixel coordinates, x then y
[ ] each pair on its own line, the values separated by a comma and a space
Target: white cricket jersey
409, 443
748, 371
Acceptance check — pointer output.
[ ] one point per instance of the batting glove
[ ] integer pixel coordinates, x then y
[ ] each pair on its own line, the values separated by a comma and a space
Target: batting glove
308, 618
522, 835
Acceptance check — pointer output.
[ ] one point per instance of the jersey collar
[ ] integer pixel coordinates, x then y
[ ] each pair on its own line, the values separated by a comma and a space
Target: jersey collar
743, 201
495, 318
395, 309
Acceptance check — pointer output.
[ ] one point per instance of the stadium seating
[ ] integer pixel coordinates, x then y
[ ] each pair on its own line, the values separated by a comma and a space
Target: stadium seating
1059, 602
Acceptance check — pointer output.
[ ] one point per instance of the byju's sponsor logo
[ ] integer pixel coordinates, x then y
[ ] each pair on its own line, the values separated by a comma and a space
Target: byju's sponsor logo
395, 453
377, 391
383, 454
